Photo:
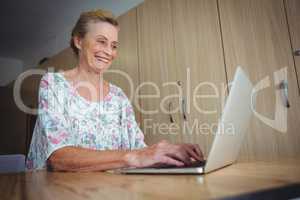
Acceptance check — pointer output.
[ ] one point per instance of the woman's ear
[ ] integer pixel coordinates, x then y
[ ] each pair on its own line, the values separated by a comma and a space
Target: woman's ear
77, 42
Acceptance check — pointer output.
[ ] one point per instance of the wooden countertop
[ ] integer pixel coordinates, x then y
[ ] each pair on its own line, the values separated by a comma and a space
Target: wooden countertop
233, 180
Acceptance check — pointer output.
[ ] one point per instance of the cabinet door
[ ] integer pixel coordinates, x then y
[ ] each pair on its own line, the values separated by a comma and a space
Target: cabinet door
157, 68
124, 71
199, 57
293, 14
255, 35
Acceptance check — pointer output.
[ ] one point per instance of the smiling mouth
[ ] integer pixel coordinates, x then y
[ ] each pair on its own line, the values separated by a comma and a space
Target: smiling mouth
102, 59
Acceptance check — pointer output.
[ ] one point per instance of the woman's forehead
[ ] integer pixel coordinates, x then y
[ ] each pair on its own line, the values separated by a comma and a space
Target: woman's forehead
105, 29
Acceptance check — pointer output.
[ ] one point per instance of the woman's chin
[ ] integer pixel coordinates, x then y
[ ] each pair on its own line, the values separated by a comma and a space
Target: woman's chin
100, 68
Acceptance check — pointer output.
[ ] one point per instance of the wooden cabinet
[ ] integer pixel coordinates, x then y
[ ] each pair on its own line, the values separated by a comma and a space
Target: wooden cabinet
293, 16
180, 48
199, 58
158, 72
201, 42
256, 37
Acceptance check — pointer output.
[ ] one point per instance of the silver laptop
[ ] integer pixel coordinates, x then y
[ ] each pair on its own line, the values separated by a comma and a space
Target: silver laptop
229, 137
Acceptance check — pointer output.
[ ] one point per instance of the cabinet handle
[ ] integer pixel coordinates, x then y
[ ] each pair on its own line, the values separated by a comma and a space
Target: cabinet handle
170, 115
183, 104
297, 52
283, 86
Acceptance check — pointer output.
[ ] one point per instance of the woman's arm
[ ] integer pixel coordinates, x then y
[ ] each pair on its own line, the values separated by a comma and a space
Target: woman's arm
81, 159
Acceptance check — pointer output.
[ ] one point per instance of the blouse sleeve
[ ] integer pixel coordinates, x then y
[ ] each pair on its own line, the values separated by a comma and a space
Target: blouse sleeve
51, 130
135, 135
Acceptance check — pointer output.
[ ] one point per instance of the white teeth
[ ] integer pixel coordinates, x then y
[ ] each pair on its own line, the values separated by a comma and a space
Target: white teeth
102, 59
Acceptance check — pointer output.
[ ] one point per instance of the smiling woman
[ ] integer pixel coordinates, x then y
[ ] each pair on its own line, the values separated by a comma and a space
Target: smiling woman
86, 123
96, 36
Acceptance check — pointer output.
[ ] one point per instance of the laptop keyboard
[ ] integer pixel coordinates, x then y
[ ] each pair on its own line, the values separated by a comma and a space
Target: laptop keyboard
192, 165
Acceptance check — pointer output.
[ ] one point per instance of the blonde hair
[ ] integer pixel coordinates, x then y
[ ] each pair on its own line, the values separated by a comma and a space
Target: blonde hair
81, 26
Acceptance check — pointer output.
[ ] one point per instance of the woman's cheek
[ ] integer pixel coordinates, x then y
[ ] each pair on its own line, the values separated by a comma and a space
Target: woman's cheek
92, 59
96, 48
114, 55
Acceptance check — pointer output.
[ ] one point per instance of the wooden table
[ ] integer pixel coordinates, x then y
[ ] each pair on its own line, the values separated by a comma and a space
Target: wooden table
233, 180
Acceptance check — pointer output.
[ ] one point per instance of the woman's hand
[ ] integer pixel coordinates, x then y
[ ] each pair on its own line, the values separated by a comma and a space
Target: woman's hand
164, 153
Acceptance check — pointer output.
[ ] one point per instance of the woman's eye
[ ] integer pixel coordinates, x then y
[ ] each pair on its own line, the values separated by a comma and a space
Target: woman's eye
114, 46
101, 41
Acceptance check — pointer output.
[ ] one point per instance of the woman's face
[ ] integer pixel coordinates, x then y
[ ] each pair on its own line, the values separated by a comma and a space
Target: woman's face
98, 48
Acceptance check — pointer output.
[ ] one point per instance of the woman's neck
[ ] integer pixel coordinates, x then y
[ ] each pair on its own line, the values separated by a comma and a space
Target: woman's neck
83, 74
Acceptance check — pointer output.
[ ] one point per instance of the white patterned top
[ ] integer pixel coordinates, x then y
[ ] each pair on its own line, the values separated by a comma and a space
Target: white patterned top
67, 119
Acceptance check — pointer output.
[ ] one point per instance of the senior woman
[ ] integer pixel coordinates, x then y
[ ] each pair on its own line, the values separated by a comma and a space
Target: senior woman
86, 123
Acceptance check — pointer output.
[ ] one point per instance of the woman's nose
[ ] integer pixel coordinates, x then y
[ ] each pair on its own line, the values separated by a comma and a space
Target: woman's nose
108, 50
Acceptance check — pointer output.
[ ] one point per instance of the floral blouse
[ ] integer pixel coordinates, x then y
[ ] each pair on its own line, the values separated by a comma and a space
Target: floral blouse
67, 119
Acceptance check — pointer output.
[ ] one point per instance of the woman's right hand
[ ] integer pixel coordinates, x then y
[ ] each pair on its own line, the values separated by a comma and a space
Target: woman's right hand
164, 153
